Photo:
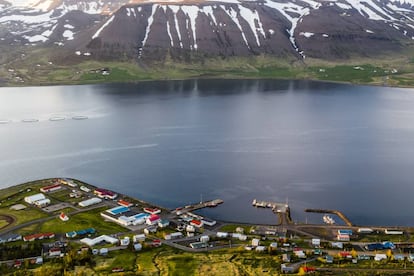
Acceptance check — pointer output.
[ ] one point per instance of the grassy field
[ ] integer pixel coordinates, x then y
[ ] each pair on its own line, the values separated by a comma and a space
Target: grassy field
82, 221
37, 69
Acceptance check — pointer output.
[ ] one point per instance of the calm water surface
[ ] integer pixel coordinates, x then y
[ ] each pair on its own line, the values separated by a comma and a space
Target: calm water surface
317, 145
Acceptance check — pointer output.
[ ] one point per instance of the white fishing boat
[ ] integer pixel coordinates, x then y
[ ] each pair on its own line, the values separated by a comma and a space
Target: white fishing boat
328, 219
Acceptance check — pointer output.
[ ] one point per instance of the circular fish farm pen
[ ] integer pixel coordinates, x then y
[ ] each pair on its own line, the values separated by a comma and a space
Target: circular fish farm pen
80, 117
30, 120
57, 118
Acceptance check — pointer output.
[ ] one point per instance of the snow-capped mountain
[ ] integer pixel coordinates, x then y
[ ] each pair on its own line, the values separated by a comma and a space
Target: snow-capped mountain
193, 29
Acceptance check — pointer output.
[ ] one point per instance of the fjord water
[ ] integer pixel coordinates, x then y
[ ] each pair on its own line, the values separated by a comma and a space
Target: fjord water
317, 145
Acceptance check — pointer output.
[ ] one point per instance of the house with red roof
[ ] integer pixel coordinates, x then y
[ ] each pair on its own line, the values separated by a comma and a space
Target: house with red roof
152, 211
153, 219
106, 194
196, 223
125, 203
39, 236
50, 188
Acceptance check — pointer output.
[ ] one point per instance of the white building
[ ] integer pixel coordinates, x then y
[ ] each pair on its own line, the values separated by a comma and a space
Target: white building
255, 242
204, 239
125, 241
97, 240
175, 235
137, 247
190, 228
316, 242
380, 257
85, 189
33, 198
222, 234
42, 202
260, 248
138, 238
89, 202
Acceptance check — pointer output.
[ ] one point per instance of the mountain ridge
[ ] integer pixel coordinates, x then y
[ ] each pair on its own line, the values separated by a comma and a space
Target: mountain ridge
148, 32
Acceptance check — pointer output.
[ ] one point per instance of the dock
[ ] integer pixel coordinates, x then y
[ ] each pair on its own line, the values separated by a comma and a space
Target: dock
275, 206
335, 212
197, 206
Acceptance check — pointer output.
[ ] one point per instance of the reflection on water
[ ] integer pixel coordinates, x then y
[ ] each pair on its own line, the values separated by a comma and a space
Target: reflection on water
313, 144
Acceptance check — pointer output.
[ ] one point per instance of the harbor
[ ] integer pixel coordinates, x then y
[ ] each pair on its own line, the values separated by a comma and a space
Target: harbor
334, 212
70, 211
197, 206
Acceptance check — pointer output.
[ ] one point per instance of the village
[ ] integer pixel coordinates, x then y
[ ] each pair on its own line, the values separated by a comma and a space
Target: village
57, 217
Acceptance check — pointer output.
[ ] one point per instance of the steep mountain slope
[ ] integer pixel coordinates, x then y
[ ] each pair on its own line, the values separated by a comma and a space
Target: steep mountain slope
187, 30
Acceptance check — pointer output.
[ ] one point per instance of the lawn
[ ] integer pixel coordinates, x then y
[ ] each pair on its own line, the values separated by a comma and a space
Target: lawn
81, 221
22, 216
233, 227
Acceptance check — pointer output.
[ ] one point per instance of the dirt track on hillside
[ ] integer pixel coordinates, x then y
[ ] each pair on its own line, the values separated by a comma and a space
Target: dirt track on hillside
9, 219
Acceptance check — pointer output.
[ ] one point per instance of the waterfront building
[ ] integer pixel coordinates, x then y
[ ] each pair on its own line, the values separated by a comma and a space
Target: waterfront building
85, 189
89, 202
125, 203
365, 230
208, 222
153, 219
105, 194
50, 188
152, 211
393, 232
196, 223
345, 232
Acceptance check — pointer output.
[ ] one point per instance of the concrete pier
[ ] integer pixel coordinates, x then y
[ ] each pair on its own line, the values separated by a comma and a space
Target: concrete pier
335, 212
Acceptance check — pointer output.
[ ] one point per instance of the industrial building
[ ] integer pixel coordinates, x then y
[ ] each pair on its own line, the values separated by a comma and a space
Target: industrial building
51, 188
33, 198
89, 202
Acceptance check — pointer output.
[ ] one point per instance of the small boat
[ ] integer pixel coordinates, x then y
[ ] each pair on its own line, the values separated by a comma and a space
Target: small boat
5, 121
328, 219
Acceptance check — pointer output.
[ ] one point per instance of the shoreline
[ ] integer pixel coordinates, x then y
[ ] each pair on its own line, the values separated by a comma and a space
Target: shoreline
215, 77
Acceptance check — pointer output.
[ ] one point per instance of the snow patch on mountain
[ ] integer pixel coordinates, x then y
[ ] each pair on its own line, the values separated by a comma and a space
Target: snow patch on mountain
233, 15
98, 32
68, 34
306, 34
28, 19
253, 18
294, 13
192, 13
